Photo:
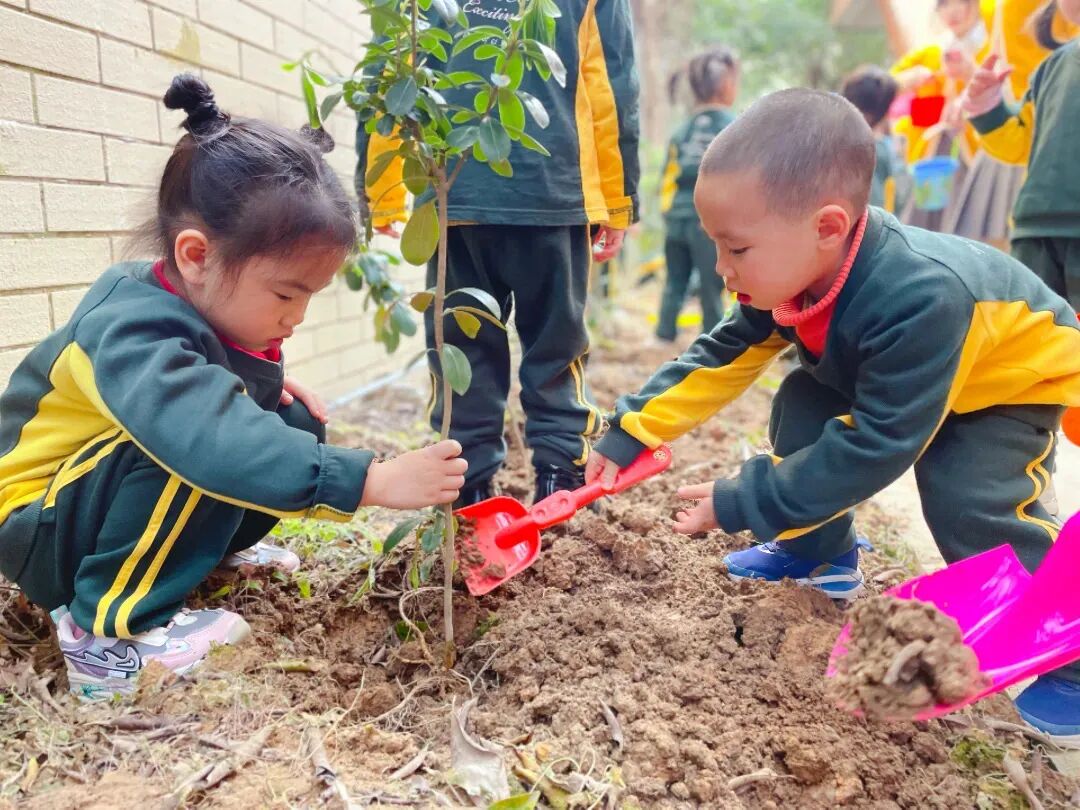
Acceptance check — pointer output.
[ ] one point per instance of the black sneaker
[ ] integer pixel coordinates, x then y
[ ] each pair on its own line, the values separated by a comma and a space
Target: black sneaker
550, 479
474, 493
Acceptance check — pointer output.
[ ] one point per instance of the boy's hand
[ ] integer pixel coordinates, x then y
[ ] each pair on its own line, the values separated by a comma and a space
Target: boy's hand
611, 239
603, 468
701, 516
295, 390
388, 230
983, 92
433, 475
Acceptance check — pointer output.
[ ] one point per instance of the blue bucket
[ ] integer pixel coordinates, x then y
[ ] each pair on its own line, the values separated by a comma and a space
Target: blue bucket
934, 179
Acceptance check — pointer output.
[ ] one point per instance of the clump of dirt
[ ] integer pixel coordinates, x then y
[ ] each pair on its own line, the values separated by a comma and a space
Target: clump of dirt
904, 657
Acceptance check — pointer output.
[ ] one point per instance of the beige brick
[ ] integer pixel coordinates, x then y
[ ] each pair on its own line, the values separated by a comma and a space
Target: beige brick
64, 303
138, 69
242, 98
15, 3
289, 10
322, 24
263, 67
23, 319
95, 109
20, 207
300, 347
322, 310
44, 45
95, 208
28, 151
347, 11
333, 337
16, 95
291, 42
291, 110
135, 164
187, 8
170, 122
123, 19
193, 42
10, 359
52, 262
238, 19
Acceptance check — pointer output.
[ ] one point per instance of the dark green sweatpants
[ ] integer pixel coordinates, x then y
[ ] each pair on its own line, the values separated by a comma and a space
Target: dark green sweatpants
543, 273
125, 543
687, 247
979, 480
1056, 260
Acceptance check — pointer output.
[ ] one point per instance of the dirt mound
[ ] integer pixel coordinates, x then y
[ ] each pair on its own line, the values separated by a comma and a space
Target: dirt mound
904, 657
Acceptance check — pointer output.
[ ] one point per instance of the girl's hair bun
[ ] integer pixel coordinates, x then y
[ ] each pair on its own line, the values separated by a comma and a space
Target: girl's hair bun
194, 96
322, 140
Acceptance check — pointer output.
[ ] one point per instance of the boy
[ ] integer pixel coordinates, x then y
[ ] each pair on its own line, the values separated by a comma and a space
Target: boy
914, 347
872, 90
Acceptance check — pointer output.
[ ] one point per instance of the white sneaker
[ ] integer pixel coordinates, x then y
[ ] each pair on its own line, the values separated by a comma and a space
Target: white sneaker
262, 553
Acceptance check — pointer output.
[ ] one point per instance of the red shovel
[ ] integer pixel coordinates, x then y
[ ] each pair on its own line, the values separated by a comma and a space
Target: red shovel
503, 538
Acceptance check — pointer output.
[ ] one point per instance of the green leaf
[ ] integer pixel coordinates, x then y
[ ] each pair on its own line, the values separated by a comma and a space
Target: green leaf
463, 116
515, 69
289, 67
431, 539
400, 532
486, 299
480, 100
382, 162
463, 137
328, 105
310, 101
402, 319
531, 143
475, 35
317, 77
523, 801
502, 168
422, 300
536, 109
401, 96
467, 323
354, 280
416, 179
494, 140
455, 365
555, 63
421, 235
480, 313
304, 586
511, 111
458, 78
486, 51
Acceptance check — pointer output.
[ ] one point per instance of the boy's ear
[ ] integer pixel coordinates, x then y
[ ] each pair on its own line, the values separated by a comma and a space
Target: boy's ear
189, 253
833, 226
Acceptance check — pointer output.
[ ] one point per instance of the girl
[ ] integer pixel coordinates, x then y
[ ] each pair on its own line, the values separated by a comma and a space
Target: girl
148, 438
714, 81
1041, 133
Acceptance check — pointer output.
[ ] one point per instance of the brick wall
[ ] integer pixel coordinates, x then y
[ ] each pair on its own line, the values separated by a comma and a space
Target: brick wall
84, 136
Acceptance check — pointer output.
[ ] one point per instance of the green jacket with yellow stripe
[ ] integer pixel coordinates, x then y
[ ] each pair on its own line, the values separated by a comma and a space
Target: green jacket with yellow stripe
926, 325
685, 152
140, 364
1041, 133
592, 173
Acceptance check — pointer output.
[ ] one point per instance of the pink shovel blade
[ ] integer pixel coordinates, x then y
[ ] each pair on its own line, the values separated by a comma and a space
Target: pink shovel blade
499, 564
1019, 625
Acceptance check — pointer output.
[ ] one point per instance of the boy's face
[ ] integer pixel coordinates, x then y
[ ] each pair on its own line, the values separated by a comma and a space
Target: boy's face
764, 258
959, 16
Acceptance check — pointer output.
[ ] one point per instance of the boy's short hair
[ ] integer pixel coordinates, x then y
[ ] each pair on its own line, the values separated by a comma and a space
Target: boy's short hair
872, 90
807, 146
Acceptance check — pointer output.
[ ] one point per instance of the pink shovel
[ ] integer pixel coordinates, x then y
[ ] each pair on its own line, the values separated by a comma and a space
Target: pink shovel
1019, 625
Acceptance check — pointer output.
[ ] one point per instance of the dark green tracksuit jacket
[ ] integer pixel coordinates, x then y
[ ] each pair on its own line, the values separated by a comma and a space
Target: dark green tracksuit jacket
941, 352
525, 239
137, 449
686, 245
1041, 133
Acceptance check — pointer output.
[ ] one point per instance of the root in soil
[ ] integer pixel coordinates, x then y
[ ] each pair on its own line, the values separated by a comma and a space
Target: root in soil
904, 657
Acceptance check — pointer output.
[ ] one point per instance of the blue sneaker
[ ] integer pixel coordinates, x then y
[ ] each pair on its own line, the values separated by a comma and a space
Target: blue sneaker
1052, 705
838, 578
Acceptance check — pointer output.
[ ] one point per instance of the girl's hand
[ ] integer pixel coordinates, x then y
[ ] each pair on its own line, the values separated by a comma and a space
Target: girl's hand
605, 469
983, 92
701, 516
433, 475
388, 230
914, 77
608, 243
295, 390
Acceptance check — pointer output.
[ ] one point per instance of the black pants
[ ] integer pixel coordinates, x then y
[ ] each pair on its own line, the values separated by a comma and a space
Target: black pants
543, 273
1056, 260
687, 247
122, 542
979, 480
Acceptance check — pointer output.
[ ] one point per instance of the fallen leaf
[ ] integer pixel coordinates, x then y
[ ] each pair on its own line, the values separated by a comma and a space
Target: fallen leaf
614, 725
477, 763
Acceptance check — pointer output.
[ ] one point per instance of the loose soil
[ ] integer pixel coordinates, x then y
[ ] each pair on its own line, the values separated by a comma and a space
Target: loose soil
624, 669
904, 657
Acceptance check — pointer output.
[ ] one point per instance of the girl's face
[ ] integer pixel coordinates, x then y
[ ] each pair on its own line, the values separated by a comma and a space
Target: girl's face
265, 300
959, 16
1070, 10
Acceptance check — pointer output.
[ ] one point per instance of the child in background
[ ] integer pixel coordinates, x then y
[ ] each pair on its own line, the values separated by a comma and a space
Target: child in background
714, 81
1040, 133
149, 437
872, 91
915, 348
